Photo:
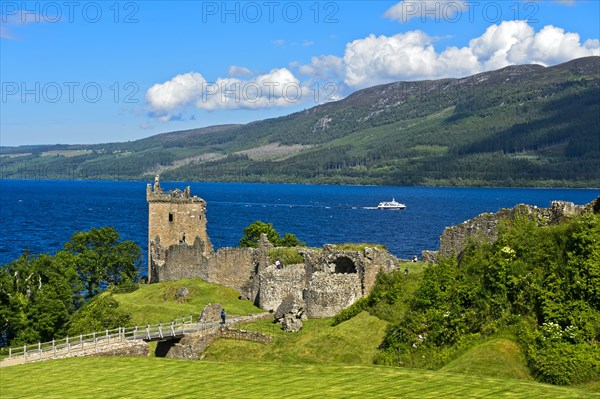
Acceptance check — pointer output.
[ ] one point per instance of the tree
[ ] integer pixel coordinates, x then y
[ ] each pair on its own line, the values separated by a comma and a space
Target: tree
37, 297
101, 259
100, 313
254, 230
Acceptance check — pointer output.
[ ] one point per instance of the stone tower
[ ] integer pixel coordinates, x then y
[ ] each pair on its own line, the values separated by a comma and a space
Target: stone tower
175, 219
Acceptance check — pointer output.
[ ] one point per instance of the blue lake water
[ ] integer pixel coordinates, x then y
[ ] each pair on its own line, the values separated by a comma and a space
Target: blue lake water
42, 215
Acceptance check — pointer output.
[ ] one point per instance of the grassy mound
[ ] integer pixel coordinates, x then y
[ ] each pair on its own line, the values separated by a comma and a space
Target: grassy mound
119, 377
498, 357
352, 342
157, 303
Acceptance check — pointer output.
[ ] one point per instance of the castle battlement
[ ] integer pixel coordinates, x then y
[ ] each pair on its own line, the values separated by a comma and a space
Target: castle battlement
156, 194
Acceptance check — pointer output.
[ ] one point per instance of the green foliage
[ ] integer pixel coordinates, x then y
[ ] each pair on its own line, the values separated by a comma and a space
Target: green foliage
37, 296
100, 313
554, 359
253, 232
389, 297
101, 259
548, 275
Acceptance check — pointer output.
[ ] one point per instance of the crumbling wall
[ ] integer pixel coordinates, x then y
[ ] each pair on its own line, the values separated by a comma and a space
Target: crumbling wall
233, 267
328, 294
178, 261
277, 284
485, 227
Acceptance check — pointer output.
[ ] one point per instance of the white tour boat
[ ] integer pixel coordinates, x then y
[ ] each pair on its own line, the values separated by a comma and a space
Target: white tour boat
393, 204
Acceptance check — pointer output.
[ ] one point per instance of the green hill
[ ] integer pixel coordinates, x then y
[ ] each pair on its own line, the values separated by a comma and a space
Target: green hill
157, 303
519, 126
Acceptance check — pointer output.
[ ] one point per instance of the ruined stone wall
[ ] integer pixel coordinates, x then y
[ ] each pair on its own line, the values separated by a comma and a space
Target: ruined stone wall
277, 284
376, 261
485, 227
233, 267
328, 294
328, 280
179, 261
192, 346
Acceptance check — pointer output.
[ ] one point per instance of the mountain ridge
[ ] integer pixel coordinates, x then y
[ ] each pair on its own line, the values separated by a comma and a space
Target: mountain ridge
523, 125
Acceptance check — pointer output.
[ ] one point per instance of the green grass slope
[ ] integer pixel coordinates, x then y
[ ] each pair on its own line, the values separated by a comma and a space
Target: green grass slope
156, 303
115, 377
352, 342
498, 357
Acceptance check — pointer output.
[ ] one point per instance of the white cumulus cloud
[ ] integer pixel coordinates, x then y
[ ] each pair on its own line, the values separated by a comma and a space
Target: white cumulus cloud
180, 90
277, 88
412, 55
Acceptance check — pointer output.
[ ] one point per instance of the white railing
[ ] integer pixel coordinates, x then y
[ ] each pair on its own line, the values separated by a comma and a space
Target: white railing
102, 339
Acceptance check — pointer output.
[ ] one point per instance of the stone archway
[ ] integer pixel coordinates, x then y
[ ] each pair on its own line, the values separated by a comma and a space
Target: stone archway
343, 264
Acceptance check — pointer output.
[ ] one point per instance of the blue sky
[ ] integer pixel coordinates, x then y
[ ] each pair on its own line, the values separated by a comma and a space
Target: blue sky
92, 72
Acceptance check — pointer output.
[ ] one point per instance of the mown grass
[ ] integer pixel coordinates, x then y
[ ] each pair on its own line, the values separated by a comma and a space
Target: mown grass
352, 342
156, 303
148, 378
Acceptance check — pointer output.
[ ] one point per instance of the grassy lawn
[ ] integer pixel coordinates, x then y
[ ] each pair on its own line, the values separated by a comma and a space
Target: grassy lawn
352, 342
156, 303
120, 377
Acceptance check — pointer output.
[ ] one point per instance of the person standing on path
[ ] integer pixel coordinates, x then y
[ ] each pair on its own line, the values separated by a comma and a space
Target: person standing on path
223, 316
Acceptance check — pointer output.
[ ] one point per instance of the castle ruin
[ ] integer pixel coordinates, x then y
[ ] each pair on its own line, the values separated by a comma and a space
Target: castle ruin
328, 281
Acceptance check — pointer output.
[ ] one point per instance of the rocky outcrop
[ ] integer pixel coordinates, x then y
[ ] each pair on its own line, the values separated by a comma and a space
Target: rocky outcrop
290, 314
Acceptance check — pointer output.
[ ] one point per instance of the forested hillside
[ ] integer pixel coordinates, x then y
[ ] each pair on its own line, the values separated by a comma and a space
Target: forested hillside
519, 126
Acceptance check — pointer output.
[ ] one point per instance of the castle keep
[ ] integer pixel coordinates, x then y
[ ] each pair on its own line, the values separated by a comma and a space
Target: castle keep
173, 218
328, 281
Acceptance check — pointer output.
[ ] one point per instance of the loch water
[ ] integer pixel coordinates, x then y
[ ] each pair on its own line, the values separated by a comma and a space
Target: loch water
41, 215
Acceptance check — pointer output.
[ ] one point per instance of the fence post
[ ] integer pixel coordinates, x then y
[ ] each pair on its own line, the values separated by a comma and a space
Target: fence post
10, 352
107, 338
25, 352
172, 329
160, 333
135, 332
81, 340
40, 349
53, 348
148, 331
68, 347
